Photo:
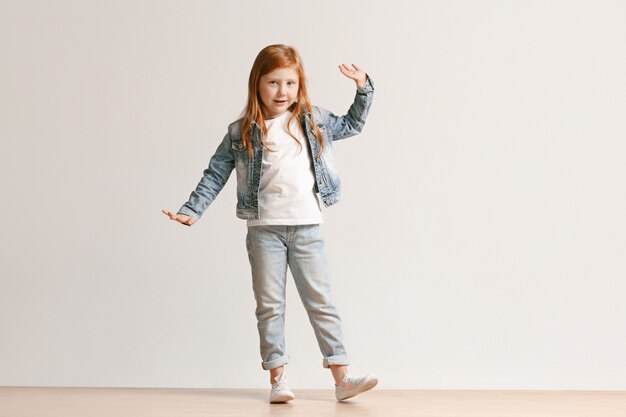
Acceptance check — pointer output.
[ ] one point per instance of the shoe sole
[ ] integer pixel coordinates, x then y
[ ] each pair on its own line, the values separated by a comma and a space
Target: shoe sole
282, 399
366, 387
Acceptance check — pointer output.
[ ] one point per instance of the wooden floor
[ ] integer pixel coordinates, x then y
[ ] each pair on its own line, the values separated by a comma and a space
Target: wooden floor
157, 402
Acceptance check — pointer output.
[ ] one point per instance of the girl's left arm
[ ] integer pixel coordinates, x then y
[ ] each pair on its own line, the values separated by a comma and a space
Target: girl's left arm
352, 122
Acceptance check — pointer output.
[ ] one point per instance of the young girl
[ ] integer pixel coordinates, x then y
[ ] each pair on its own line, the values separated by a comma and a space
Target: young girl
281, 150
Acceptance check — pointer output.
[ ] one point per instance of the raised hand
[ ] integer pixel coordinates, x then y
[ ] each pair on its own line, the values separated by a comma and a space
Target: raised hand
354, 73
180, 218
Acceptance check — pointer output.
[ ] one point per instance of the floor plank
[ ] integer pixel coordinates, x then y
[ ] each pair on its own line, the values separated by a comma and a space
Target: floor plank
179, 402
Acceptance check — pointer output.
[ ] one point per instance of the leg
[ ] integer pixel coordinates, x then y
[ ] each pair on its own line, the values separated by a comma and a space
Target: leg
338, 371
267, 253
307, 262
275, 372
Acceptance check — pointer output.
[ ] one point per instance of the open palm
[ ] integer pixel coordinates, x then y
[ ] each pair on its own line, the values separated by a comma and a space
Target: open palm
354, 73
180, 218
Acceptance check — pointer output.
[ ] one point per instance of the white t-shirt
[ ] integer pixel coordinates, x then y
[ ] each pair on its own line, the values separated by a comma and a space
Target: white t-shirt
287, 186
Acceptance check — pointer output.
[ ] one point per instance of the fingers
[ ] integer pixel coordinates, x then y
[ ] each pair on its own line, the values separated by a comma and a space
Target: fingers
351, 68
346, 69
172, 215
351, 71
180, 218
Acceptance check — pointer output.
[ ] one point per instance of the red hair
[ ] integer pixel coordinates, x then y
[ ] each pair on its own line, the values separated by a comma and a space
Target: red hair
270, 58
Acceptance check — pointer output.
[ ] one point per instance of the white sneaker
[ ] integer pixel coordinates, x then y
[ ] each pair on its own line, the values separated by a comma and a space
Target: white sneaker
351, 386
280, 391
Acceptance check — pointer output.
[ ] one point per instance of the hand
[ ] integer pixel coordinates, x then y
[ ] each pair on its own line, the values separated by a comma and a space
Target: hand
354, 73
180, 218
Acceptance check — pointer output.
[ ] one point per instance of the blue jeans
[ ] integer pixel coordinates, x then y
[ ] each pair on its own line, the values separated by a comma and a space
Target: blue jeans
270, 250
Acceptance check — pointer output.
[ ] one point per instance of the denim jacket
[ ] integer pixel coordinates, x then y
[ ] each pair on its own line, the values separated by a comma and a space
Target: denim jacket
232, 154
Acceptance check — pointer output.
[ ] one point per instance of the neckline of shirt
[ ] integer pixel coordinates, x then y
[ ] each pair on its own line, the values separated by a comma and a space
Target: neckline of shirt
282, 116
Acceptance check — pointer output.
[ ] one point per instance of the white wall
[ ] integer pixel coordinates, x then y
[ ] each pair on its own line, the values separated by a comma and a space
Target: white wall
479, 244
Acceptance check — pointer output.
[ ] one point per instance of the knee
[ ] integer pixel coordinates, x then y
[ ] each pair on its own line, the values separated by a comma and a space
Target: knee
268, 311
321, 308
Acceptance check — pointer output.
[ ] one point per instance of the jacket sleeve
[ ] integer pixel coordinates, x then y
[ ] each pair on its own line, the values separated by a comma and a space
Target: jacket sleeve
213, 180
352, 123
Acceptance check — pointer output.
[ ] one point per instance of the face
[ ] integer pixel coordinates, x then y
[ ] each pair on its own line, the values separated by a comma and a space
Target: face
278, 90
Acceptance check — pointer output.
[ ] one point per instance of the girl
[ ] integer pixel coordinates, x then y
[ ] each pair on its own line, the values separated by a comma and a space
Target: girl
281, 150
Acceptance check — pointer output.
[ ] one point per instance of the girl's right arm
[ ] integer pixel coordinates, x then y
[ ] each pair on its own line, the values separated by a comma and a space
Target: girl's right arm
213, 180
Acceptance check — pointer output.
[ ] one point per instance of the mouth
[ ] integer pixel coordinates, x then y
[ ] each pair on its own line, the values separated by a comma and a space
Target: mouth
280, 102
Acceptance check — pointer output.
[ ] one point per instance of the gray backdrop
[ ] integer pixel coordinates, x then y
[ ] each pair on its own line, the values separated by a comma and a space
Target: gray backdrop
480, 240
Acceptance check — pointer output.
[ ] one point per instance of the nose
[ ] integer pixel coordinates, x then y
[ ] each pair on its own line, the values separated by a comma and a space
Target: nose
281, 89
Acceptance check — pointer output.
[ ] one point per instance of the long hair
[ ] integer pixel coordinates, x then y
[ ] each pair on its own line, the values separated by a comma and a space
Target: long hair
270, 58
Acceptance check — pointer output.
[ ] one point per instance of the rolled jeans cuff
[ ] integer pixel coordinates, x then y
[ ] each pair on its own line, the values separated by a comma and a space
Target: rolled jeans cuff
275, 363
335, 360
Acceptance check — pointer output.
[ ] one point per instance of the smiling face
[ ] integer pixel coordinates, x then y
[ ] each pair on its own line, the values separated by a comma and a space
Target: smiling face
278, 90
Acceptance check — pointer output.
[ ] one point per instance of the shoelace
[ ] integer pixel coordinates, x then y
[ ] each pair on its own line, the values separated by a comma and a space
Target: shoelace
279, 385
350, 380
